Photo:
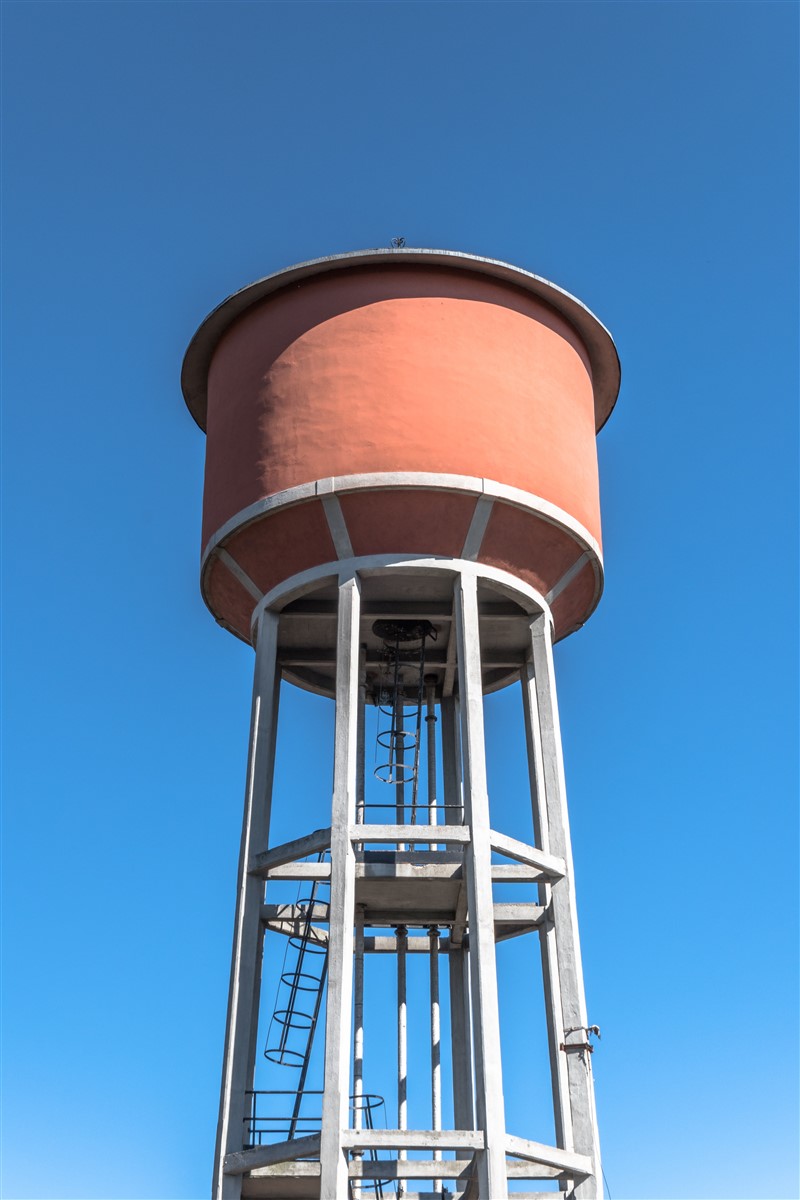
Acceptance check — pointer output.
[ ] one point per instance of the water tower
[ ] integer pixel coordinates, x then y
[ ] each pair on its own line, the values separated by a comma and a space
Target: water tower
401, 513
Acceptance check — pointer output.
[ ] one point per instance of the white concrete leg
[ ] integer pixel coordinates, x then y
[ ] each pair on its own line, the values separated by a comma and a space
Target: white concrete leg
490, 1110
562, 1117
336, 1099
243, 995
565, 965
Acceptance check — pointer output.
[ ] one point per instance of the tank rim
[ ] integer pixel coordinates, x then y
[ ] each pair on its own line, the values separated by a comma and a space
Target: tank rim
603, 356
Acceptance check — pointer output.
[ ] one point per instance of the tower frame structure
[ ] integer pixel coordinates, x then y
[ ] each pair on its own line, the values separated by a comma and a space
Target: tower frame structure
315, 627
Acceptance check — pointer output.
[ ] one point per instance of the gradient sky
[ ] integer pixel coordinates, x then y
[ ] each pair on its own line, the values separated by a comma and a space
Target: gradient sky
159, 156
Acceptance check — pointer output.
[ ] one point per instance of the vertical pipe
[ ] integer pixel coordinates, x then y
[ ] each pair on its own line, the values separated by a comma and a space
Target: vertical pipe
336, 1099
436, 1045
361, 742
243, 994
430, 731
418, 733
490, 1110
569, 971
451, 761
358, 1037
358, 977
399, 756
402, 1041
461, 1043
460, 1023
465, 984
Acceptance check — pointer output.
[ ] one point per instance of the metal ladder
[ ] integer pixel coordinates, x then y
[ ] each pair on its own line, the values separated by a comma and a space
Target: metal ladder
290, 1036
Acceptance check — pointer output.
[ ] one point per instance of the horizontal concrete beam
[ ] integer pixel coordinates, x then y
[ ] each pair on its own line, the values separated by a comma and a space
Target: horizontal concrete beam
294, 912
514, 1169
446, 834
371, 870
519, 914
469, 1194
414, 945
288, 1170
507, 925
297, 929
415, 918
502, 873
325, 656
264, 1156
550, 865
364, 870
312, 843
413, 858
412, 1168
510, 919
413, 1139
459, 1168
291, 920
298, 871
549, 1156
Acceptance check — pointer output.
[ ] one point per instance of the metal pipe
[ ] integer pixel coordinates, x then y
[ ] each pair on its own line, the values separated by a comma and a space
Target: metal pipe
451, 761
436, 1046
430, 729
361, 735
402, 1042
358, 1037
460, 1022
399, 755
461, 1043
418, 733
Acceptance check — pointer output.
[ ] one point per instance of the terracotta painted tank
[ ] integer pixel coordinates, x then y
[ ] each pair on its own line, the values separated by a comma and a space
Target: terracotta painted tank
417, 403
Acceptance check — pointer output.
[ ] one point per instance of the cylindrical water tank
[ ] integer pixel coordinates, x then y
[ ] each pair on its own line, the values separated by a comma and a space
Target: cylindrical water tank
401, 402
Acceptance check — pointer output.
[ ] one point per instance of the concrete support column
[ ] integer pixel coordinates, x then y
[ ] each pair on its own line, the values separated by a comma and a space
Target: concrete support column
565, 999
490, 1110
562, 1116
336, 1099
243, 995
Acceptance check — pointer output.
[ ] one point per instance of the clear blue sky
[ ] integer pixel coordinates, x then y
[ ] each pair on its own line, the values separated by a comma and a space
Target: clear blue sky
157, 157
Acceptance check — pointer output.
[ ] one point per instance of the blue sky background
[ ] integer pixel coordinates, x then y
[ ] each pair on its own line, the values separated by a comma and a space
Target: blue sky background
157, 157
